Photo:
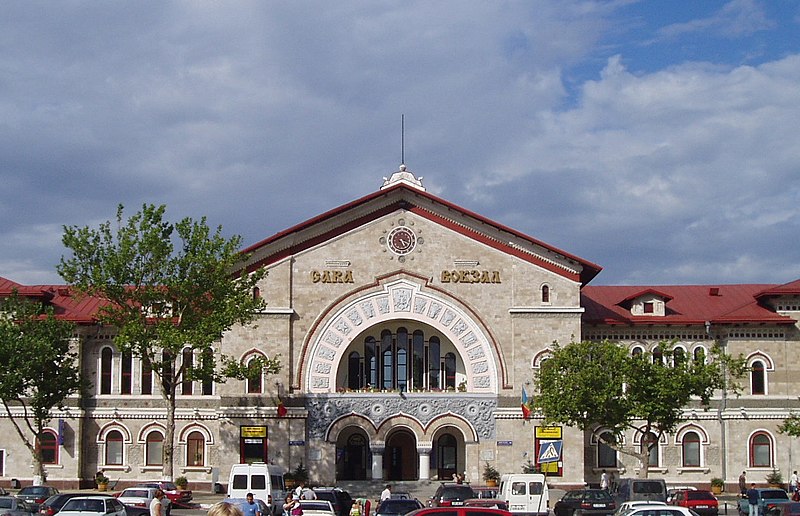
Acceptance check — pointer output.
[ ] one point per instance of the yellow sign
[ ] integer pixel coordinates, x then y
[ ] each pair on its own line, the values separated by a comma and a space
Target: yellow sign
253, 431
548, 432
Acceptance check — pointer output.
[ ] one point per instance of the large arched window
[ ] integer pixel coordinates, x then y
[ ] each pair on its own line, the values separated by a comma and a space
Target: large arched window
650, 442
401, 360
678, 357
48, 446
690, 448
606, 455
154, 449
760, 450
195, 449
126, 373
758, 384
106, 358
114, 448
658, 355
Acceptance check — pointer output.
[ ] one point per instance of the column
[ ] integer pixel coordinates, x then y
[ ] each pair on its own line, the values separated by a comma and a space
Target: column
377, 461
424, 451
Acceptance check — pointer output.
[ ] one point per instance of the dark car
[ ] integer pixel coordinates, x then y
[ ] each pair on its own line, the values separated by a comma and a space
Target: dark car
54, 504
12, 506
585, 502
786, 509
700, 501
398, 506
340, 499
448, 495
36, 495
458, 511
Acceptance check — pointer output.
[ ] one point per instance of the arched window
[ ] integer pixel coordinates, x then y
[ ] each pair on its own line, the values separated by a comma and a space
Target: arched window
690, 447
658, 355
354, 376
371, 361
700, 354
48, 446
606, 455
760, 450
678, 357
195, 449
154, 449
106, 357
450, 371
126, 376
649, 439
545, 294
418, 375
114, 448
255, 384
188, 364
401, 353
147, 377
758, 382
637, 351
434, 351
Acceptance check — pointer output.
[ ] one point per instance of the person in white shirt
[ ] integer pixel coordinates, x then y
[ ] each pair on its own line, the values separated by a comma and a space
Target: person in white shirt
793, 482
604, 480
386, 493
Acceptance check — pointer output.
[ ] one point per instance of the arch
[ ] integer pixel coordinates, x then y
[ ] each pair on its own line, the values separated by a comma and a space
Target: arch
400, 421
400, 456
149, 427
356, 420
540, 357
353, 453
114, 425
699, 349
545, 291
47, 442
761, 449
468, 432
769, 364
208, 435
678, 353
691, 427
394, 300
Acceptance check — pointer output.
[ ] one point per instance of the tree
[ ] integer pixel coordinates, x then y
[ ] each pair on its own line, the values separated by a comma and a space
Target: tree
40, 368
170, 292
599, 385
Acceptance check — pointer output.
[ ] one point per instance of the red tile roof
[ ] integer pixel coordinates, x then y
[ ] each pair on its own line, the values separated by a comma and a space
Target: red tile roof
65, 302
689, 304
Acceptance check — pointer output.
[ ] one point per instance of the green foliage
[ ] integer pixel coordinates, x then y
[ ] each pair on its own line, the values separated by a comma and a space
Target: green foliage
775, 478
717, 482
599, 384
529, 467
168, 287
791, 425
181, 481
40, 368
490, 473
300, 473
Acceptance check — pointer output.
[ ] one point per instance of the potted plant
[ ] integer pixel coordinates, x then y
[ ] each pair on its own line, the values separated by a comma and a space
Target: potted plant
775, 479
490, 475
288, 480
717, 485
102, 482
181, 482
300, 473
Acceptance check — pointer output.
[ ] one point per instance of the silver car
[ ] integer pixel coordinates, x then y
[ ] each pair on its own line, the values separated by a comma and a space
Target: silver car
93, 506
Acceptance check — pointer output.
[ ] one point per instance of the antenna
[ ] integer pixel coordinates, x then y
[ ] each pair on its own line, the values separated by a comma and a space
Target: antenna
402, 139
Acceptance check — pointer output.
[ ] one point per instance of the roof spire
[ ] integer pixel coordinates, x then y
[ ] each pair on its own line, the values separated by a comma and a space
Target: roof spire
405, 177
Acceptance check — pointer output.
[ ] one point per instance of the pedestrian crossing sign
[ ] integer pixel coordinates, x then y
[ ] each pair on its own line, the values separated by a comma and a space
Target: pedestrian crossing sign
550, 451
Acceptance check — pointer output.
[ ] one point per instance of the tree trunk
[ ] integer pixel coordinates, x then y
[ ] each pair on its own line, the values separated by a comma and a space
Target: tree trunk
169, 438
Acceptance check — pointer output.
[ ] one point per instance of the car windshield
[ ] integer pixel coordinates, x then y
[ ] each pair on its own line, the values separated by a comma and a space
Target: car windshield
458, 493
5, 503
33, 490
134, 493
397, 506
315, 506
774, 494
598, 495
647, 487
700, 495
84, 505
169, 486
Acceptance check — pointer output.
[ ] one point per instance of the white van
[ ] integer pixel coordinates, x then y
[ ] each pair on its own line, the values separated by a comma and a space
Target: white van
265, 481
525, 493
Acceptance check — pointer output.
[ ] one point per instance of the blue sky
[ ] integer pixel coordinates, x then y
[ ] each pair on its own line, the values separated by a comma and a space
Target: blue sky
655, 138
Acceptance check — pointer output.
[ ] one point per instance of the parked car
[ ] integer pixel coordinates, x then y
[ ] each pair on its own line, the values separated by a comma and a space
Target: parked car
673, 490
339, 498
627, 506
768, 499
458, 511
398, 506
137, 500
785, 509
36, 495
486, 491
54, 504
585, 502
451, 494
659, 509
177, 497
700, 501
317, 508
491, 503
12, 506
93, 505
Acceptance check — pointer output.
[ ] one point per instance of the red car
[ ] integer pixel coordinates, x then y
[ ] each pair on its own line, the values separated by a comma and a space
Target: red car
703, 503
458, 511
176, 496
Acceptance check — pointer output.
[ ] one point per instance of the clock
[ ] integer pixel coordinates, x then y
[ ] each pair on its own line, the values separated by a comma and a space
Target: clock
401, 240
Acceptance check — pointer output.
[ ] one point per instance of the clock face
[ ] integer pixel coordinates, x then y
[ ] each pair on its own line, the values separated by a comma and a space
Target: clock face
401, 240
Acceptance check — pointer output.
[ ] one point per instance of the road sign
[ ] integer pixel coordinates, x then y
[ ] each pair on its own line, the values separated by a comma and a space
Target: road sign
550, 451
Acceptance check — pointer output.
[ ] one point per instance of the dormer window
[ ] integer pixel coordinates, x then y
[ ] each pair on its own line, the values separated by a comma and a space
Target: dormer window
647, 303
649, 307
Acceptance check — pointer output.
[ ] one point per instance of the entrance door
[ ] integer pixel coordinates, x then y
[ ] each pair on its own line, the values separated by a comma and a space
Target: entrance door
401, 457
446, 457
354, 461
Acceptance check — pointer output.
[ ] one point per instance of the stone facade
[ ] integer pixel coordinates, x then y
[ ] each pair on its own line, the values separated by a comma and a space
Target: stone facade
408, 329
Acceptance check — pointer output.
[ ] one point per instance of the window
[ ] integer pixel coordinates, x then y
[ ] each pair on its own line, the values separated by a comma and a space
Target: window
757, 378
650, 442
678, 357
700, 354
147, 377
188, 364
649, 307
106, 357
154, 449
606, 455
450, 371
637, 351
760, 450
658, 355
48, 446
2, 463
114, 444
254, 384
167, 370
126, 380
545, 294
690, 445
195, 449
208, 384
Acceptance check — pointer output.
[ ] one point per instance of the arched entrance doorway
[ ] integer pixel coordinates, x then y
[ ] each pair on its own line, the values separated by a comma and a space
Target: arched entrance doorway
400, 459
353, 458
447, 456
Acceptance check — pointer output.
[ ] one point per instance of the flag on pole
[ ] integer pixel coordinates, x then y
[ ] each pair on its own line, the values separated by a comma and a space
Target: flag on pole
281, 408
526, 405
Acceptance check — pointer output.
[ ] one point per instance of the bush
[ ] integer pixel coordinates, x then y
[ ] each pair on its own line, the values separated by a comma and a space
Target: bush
490, 473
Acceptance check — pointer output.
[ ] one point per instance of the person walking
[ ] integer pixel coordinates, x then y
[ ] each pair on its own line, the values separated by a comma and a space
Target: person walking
752, 500
155, 504
386, 493
604, 481
793, 482
250, 507
743, 484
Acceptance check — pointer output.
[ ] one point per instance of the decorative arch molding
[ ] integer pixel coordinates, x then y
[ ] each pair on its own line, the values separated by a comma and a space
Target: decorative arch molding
250, 354
400, 422
639, 432
351, 420
196, 427
691, 427
109, 427
594, 439
541, 356
769, 365
401, 298
150, 427
449, 422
